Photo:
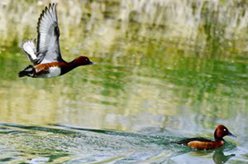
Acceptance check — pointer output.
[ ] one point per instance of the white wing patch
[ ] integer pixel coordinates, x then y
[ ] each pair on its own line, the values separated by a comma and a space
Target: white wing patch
29, 48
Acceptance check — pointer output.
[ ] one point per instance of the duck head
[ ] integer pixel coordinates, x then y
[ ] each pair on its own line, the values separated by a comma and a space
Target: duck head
82, 60
220, 132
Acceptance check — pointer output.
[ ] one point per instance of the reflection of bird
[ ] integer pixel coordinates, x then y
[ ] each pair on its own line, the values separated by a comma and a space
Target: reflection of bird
219, 157
205, 144
46, 57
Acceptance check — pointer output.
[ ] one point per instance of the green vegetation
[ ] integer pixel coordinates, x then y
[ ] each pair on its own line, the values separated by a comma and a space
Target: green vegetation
209, 28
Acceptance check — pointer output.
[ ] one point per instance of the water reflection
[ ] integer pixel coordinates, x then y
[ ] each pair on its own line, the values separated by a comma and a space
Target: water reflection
171, 94
219, 157
155, 92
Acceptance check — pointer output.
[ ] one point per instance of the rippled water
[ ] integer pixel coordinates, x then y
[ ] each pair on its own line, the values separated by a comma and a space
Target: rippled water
56, 144
151, 85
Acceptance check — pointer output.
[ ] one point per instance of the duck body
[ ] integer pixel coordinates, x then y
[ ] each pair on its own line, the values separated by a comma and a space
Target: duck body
45, 56
52, 69
206, 144
202, 143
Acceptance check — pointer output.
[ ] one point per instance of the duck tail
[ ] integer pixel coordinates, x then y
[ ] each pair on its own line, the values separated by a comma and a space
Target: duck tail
28, 71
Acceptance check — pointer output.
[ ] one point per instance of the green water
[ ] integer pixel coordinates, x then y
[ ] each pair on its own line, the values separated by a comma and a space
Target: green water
163, 71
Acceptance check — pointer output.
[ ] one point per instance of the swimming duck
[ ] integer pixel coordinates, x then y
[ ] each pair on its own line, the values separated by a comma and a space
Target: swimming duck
46, 57
206, 144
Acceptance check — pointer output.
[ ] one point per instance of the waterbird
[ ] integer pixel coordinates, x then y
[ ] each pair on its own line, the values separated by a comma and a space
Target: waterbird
46, 57
206, 144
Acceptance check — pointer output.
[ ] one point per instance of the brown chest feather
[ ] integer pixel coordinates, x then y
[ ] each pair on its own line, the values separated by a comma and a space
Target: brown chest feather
45, 67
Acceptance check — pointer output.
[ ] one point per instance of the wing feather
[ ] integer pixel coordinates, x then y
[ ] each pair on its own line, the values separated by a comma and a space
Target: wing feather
48, 36
30, 50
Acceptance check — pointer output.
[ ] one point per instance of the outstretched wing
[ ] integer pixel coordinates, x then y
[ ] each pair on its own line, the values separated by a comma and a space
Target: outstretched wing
48, 36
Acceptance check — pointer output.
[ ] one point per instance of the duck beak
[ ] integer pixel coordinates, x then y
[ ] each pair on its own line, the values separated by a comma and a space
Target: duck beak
231, 135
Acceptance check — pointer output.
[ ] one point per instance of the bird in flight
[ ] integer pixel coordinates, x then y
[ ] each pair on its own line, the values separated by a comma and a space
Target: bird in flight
46, 57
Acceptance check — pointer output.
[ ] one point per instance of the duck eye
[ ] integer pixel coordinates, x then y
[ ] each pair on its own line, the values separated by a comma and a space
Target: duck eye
224, 130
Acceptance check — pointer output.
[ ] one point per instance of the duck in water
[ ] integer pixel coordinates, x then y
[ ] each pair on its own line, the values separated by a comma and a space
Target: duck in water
206, 144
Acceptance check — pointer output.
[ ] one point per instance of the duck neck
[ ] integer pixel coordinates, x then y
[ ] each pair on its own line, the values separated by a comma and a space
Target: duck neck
69, 66
217, 138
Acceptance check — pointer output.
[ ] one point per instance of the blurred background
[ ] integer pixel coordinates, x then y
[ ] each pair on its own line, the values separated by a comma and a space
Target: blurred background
160, 65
